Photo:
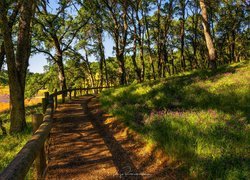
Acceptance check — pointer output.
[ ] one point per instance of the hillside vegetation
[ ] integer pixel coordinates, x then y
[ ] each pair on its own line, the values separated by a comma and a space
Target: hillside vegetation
200, 120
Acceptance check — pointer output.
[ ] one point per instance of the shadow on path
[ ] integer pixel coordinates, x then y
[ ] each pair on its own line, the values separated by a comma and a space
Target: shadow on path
120, 157
81, 148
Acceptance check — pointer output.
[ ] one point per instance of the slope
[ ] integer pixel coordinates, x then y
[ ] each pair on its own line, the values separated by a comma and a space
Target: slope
200, 119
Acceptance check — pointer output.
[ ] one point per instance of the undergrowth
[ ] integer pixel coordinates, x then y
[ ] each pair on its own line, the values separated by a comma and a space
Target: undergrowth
201, 119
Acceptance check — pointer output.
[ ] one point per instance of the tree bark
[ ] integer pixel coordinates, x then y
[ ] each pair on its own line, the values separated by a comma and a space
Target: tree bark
92, 80
122, 69
159, 44
167, 24
101, 54
61, 73
182, 34
106, 73
2, 55
208, 37
149, 48
233, 46
119, 32
17, 62
137, 69
140, 42
195, 21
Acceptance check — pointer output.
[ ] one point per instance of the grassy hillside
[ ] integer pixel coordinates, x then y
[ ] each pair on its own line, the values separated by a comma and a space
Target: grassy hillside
200, 120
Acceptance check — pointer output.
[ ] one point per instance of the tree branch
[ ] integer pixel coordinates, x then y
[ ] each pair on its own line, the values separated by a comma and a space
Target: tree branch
45, 52
74, 35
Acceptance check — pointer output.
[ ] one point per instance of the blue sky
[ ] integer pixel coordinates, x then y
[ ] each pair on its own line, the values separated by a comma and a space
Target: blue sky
37, 61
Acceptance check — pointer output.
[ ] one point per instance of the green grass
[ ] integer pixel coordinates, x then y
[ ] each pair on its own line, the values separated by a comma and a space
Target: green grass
201, 119
10, 145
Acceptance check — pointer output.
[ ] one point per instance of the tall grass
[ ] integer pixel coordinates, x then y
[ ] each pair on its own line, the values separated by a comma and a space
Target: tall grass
201, 119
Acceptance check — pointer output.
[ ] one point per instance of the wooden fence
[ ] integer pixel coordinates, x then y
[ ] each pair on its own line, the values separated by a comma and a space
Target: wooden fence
34, 149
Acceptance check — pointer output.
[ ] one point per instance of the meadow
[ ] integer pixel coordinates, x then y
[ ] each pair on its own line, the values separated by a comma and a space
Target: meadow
200, 119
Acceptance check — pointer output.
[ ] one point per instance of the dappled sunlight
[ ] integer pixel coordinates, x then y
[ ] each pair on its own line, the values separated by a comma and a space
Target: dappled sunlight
203, 123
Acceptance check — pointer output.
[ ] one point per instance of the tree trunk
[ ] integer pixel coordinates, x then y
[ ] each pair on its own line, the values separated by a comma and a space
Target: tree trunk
142, 60
17, 63
233, 46
102, 55
167, 24
165, 57
159, 47
207, 34
149, 49
17, 107
106, 73
140, 42
137, 69
194, 41
92, 80
122, 69
119, 32
2, 55
61, 74
183, 63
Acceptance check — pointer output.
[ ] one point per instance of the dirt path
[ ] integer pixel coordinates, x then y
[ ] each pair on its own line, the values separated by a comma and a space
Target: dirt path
81, 149
87, 144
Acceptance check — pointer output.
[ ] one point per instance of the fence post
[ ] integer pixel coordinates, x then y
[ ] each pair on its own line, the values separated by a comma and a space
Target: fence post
70, 94
55, 98
75, 93
46, 95
44, 102
63, 97
81, 91
40, 162
51, 102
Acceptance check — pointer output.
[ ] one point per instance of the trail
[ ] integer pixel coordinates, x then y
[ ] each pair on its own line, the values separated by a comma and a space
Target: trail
81, 148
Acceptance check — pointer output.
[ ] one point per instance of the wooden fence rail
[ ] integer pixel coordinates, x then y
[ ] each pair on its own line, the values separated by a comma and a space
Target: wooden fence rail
34, 148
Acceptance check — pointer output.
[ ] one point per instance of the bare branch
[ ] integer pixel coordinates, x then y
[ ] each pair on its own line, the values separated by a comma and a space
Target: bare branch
45, 52
74, 35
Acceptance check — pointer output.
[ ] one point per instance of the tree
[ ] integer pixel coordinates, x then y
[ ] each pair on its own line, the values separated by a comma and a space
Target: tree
137, 11
17, 56
2, 55
183, 5
193, 31
146, 11
57, 30
207, 34
12, 20
118, 28
96, 27
134, 34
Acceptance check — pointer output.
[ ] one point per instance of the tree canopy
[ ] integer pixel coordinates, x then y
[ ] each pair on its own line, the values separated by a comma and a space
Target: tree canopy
152, 40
